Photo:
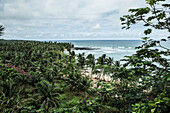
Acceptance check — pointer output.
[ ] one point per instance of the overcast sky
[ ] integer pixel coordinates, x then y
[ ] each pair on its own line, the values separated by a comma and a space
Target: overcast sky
68, 19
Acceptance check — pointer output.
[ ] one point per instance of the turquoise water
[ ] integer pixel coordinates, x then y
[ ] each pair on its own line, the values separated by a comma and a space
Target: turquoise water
112, 48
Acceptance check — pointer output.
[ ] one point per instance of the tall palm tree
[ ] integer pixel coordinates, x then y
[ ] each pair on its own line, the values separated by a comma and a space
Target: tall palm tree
117, 64
72, 56
1, 30
109, 61
101, 61
81, 60
90, 62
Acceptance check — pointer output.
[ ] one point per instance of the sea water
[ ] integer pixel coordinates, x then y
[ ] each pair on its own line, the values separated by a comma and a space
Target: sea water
116, 49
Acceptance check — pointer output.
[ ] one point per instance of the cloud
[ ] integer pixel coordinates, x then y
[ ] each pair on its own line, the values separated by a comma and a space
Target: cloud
41, 19
97, 26
87, 9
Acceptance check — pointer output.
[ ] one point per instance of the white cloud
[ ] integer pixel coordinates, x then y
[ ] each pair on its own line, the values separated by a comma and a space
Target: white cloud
65, 18
86, 9
97, 26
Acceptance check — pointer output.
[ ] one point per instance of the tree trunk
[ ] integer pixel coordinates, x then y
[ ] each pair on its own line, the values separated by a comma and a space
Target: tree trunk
101, 73
90, 73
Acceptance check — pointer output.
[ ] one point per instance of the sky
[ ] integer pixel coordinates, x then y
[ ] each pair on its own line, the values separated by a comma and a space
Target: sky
69, 20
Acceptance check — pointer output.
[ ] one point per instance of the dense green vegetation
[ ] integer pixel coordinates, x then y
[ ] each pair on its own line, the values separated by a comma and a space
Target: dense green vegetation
43, 77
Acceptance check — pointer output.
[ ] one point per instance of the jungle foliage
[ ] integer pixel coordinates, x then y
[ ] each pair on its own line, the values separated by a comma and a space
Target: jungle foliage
50, 77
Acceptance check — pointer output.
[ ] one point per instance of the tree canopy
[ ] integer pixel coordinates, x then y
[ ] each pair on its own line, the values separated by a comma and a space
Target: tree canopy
40, 77
156, 15
150, 63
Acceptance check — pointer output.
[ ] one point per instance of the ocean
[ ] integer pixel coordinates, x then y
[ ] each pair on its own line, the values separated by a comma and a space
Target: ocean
116, 49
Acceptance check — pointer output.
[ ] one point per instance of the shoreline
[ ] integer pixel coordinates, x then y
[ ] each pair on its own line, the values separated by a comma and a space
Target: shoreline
85, 48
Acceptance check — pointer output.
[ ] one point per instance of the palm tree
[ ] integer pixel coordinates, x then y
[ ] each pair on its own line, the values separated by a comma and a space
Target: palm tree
71, 56
1, 30
109, 61
90, 61
47, 95
9, 95
102, 61
48, 75
81, 60
117, 64
108, 68
8, 87
78, 83
85, 84
34, 78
